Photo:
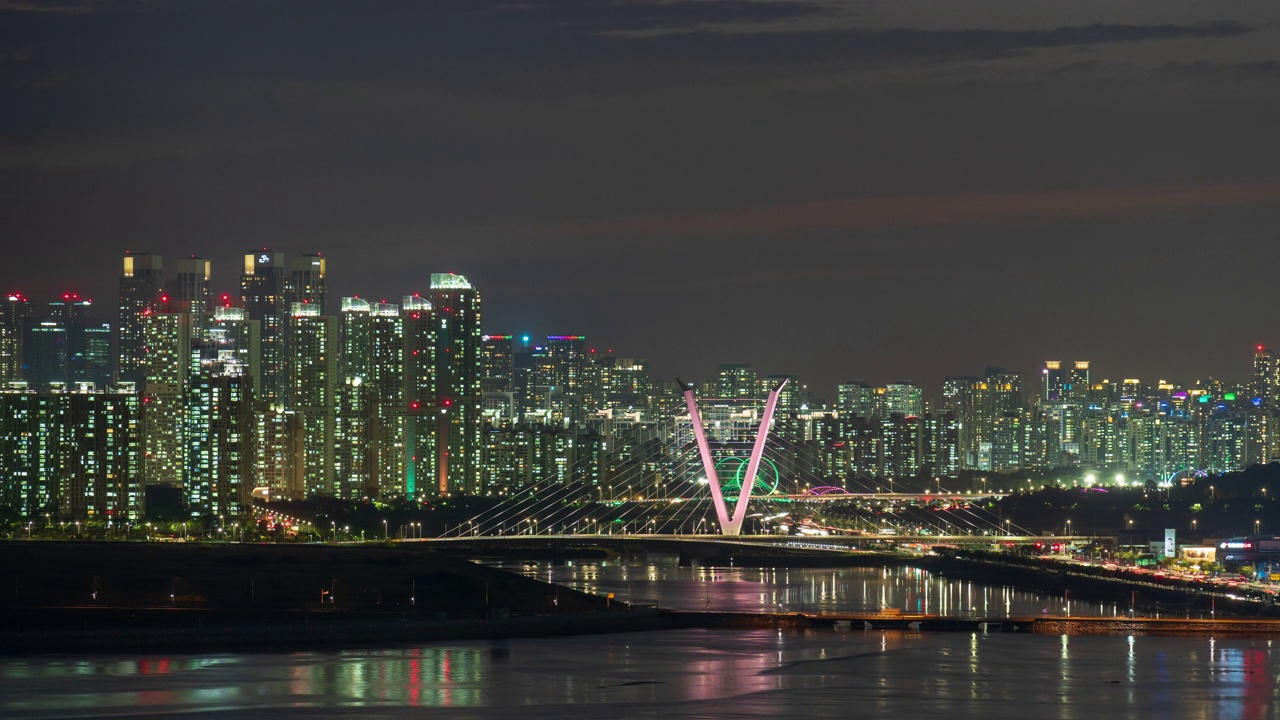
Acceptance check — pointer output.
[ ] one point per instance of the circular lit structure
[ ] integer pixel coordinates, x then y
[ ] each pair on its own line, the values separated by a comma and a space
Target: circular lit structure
732, 469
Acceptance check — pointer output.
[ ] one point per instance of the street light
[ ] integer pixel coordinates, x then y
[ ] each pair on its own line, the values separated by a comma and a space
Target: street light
1257, 527
384, 529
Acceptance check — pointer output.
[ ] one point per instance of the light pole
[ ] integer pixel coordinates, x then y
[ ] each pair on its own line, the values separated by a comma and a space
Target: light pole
384, 529
1257, 527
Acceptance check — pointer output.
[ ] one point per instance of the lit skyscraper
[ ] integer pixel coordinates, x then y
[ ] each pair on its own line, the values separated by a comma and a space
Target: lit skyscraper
355, 441
497, 364
66, 346
141, 283
421, 414
372, 390
456, 311
308, 282
1054, 381
44, 352
264, 298
13, 315
1077, 387
1265, 376
313, 376
191, 285
166, 367
221, 437
554, 390
237, 341
279, 449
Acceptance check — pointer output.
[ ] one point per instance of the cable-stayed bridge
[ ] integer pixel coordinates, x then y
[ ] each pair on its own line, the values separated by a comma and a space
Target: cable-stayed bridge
723, 469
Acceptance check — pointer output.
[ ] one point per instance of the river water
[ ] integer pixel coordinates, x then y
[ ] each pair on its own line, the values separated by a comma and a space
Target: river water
664, 583
692, 673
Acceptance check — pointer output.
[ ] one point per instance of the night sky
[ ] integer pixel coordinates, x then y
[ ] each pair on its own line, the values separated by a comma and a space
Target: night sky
882, 190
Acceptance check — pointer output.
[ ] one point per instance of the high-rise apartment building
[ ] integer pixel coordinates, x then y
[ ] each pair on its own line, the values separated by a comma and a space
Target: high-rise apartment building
855, 399
1077, 387
14, 311
421, 414
1266, 377
66, 346
141, 284
1054, 381
456, 314
736, 380
71, 454
221, 439
191, 285
308, 280
497, 364
554, 390
313, 376
372, 406
235, 340
903, 398
264, 297
166, 366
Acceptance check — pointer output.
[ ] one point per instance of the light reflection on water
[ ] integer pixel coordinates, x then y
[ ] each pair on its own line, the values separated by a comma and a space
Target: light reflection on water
911, 590
673, 674
421, 676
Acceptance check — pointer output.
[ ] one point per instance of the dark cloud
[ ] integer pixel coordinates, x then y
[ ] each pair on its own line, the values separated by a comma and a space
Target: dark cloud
835, 189
952, 210
1201, 70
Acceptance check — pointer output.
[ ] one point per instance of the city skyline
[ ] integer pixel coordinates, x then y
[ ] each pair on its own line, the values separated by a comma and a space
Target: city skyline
225, 285
888, 190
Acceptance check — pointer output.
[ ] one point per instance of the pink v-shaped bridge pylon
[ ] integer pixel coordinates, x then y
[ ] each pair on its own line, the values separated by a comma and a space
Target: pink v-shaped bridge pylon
731, 524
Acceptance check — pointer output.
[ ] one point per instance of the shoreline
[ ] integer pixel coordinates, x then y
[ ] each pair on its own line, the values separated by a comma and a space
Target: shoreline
335, 631
376, 587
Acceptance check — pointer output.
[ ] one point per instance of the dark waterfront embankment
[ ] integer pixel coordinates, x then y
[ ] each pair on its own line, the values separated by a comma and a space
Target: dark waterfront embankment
73, 597
251, 579
67, 630
63, 630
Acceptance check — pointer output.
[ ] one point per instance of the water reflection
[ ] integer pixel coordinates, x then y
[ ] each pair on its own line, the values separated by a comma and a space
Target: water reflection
764, 674
430, 676
911, 590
